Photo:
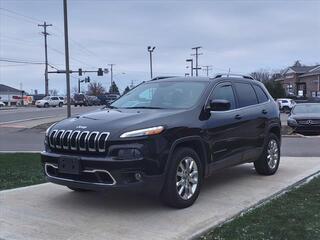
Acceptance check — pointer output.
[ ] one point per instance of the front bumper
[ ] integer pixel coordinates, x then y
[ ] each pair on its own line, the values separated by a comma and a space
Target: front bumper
101, 173
305, 128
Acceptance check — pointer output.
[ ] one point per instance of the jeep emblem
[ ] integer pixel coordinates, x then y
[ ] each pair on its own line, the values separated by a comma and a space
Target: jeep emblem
81, 127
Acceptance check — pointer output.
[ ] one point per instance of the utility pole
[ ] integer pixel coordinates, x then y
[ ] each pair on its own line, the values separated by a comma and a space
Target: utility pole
191, 60
207, 69
197, 55
45, 34
150, 50
66, 46
111, 72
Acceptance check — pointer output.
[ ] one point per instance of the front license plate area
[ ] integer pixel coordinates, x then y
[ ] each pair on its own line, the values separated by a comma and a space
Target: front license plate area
69, 165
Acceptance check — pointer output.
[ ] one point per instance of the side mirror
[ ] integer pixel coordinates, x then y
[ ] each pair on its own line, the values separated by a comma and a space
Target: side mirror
219, 105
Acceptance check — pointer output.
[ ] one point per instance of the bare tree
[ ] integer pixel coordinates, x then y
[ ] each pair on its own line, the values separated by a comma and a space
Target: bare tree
261, 75
53, 92
74, 90
95, 89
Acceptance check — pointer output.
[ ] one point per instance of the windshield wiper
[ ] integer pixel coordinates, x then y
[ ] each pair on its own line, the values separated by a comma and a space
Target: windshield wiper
144, 108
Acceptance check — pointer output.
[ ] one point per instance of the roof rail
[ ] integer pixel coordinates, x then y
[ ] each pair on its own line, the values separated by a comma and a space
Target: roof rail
161, 77
233, 75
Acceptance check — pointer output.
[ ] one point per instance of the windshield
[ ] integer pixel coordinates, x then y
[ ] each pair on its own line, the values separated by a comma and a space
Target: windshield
46, 98
172, 95
306, 108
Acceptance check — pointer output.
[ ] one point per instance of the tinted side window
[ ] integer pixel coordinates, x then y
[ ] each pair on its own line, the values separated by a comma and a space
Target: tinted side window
246, 94
54, 98
224, 91
262, 97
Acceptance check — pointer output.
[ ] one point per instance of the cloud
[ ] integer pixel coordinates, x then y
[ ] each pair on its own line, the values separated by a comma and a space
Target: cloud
242, 35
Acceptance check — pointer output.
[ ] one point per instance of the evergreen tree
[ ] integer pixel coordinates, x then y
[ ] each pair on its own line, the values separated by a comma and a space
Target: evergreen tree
127, 89
114, 88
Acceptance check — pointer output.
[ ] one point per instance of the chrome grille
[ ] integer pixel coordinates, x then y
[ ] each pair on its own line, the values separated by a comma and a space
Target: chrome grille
78, 140
309, 121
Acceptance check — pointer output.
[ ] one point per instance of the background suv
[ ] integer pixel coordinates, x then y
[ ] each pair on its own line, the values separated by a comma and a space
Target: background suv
50, 101
286, 104
167, 135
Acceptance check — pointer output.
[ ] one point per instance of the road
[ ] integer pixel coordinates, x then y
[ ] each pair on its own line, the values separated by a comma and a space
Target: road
28, 113
49, 211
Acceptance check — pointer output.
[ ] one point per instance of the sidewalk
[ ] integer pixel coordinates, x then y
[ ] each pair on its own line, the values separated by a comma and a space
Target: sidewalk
50, 211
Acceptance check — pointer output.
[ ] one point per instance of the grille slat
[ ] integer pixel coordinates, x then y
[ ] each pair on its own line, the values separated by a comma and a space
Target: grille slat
75, 140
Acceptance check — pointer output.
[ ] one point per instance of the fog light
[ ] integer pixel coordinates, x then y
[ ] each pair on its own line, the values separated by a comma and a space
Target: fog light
138, 176
129, 153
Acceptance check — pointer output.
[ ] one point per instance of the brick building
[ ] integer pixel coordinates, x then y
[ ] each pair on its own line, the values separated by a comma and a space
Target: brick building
300, 80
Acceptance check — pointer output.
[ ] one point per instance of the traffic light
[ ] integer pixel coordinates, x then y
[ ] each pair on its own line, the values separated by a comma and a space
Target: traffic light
80, 71
100, 72
87, 79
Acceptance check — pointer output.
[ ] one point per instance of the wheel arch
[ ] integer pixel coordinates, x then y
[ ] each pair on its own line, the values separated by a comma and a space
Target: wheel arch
195, 143
275, 129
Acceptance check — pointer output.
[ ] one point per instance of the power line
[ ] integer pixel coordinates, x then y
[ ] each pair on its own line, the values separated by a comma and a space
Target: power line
20, 61
35, 20
21, 15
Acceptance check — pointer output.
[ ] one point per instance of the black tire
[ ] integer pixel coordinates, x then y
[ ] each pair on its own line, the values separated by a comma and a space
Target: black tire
263, 165
78, 189
60, 104
169, 193
46, 105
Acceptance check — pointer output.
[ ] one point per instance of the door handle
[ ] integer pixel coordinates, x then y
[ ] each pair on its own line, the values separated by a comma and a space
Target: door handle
264, 111
238, 117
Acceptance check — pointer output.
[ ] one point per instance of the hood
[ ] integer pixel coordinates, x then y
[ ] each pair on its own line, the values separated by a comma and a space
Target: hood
306, 116
117, 121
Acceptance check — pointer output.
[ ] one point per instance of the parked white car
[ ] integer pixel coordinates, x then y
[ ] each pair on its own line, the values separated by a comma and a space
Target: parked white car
2, 104
286, 104
50, 101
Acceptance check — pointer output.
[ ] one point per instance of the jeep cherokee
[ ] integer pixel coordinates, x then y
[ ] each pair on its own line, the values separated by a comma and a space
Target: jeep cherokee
167, 135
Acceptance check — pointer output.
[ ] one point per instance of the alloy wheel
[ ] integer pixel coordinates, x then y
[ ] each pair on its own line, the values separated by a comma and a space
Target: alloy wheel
273, 154
187, 178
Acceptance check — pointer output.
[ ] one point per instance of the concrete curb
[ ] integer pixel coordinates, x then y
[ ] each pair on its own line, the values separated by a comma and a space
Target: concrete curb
262, 202
297, 135
23, 188
7, 108
20, 152
28, 119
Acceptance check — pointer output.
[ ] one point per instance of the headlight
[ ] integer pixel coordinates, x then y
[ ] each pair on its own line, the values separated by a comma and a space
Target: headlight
143, 132
292, 121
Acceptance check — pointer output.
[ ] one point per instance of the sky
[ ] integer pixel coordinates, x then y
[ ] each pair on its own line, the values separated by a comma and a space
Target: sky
244, 36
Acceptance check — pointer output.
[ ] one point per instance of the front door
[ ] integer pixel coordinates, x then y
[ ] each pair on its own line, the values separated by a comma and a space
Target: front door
224, 128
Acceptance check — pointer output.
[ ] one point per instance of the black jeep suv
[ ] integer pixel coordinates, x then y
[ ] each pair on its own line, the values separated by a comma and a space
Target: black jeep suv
167, 135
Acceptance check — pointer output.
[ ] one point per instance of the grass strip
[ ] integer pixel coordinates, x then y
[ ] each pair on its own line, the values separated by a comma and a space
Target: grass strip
20, 169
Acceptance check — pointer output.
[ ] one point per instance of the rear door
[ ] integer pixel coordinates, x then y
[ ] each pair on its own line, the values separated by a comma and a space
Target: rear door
54, 101
252, 122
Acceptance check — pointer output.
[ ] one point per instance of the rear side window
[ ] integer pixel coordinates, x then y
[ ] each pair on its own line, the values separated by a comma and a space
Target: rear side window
262, 97
225, 92
246, 94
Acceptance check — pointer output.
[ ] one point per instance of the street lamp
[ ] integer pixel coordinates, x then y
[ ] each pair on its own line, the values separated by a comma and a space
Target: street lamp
150, 50
191, 60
